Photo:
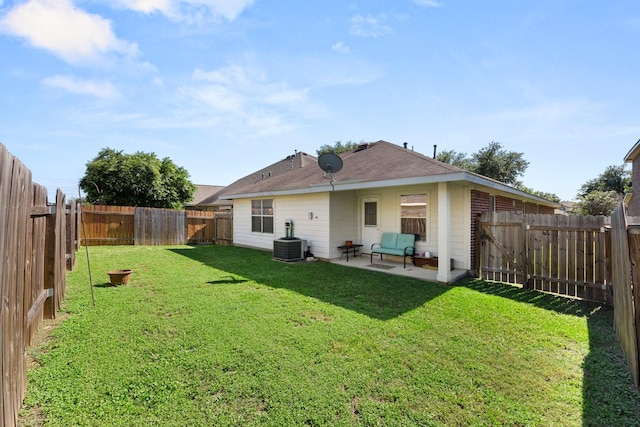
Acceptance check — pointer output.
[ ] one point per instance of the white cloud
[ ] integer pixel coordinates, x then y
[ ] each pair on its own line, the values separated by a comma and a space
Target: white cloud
369, 27
146, 6
245, 99
188, 10
68, 32
428, 3
340, 47
100, 89
235, 88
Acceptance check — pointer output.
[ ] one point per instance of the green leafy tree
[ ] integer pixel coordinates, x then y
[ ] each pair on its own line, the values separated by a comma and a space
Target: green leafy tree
548, 196
614, 178
455, 158
139, 179
338, 147
493, 161
598, 203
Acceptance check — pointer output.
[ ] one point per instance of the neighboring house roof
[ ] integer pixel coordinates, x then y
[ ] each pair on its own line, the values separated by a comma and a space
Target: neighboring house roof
207, 195
633, 153
377, 164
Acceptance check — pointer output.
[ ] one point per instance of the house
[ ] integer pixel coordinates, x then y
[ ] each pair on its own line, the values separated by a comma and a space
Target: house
206, 199
381, 187
633, 157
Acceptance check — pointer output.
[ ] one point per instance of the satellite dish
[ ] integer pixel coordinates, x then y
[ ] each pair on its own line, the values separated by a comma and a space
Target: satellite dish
330, 163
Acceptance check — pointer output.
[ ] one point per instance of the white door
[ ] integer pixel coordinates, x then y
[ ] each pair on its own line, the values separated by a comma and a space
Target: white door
370, 222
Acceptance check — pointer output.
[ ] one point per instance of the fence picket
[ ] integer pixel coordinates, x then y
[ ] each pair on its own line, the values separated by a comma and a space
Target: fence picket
24, 241
118, 225
625, 243
560, 255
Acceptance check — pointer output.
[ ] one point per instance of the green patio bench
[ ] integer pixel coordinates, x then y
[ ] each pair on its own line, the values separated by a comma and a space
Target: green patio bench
399, 244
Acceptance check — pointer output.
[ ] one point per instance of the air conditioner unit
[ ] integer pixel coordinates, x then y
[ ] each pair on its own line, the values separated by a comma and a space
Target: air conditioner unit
289, 249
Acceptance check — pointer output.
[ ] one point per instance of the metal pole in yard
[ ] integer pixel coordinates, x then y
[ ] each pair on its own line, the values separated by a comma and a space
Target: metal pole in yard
86, 247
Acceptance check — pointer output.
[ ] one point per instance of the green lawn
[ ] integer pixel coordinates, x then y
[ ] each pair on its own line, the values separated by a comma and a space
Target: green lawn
212, 335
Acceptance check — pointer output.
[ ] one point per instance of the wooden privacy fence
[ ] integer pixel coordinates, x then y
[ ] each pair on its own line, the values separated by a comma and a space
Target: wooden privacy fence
122, 225
626, 286
37, 246
562, 255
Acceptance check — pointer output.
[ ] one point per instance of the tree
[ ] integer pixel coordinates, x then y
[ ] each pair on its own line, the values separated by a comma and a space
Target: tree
495, 162
548, 196
492, 161
338, 147
601, 195
139, 179
614, 178
598, 203
455, 158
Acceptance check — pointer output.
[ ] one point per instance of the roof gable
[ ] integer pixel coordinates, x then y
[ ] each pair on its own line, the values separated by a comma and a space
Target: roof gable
205, 195
633, 153
377, 161
370, 164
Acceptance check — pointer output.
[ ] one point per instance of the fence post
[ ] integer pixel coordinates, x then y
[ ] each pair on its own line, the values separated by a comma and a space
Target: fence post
634, 253
49, 265
477, 266
608, 266
527, 256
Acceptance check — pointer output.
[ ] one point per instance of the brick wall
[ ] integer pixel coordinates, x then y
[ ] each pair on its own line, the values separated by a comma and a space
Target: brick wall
508, 204
546, 210
480, 202
634, 204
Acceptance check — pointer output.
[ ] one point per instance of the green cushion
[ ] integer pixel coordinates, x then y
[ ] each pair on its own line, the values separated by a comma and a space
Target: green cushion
405, 240
389, 240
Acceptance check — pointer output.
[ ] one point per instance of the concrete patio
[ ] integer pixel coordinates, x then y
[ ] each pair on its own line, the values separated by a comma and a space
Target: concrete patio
393, 265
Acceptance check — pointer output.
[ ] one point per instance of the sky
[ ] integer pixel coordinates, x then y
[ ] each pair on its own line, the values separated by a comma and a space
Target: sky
226, 87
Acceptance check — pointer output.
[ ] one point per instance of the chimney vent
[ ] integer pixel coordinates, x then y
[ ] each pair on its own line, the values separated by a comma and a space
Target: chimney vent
361, 147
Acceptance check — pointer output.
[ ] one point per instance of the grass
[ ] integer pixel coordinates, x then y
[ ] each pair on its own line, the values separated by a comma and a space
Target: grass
220, 336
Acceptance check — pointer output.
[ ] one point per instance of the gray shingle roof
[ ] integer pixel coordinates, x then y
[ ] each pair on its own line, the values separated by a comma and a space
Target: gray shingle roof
379, 161
205, 195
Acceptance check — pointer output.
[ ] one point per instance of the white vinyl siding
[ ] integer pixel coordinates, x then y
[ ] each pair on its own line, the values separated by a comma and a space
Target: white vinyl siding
344, 220
298, 208
327, 219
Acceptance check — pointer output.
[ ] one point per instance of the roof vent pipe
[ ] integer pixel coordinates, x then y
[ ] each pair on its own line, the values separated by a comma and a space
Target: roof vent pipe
435, 146
405, 145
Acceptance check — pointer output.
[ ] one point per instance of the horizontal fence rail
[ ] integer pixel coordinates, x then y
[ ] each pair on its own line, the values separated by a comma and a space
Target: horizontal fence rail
38, 242
562, 255
626, 286
592, 258
121, 225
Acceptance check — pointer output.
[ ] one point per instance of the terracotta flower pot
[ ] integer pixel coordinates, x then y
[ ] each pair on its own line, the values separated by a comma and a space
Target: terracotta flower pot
119, 277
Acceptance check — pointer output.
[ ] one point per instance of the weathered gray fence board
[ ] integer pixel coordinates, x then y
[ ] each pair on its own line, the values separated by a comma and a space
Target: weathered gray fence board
25, 241
118, 225
551, 253
160, 227
625, 315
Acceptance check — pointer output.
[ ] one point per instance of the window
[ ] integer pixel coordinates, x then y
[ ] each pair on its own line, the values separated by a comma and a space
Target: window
370, 214
413, 215
262, 216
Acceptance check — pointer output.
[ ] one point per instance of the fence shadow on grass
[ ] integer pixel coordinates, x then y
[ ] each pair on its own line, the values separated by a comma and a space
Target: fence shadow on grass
609, 396
371, 293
